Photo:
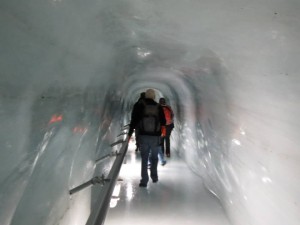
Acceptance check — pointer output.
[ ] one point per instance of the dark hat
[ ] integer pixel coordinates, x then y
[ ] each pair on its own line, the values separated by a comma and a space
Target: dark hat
162, 101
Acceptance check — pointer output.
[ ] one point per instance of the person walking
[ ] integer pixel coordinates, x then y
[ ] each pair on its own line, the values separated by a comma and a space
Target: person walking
169, 116
140, 100
148, 118
161, 158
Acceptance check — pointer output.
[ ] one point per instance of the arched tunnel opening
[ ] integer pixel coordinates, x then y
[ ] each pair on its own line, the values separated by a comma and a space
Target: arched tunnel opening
72, 70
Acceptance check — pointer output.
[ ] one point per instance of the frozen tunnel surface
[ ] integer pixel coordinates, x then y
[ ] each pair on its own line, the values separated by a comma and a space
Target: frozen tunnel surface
71, 71
178, 198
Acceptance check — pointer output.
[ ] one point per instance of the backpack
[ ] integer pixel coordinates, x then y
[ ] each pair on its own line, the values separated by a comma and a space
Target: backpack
149, 123
168, 115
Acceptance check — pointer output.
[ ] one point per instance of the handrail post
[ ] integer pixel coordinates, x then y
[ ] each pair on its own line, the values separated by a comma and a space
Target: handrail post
97, 216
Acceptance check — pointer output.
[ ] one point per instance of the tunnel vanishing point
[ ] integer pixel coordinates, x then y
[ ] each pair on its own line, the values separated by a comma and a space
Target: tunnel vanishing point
71, 71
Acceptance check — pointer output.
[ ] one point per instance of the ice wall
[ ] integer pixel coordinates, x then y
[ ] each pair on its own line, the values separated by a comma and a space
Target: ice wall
229, 69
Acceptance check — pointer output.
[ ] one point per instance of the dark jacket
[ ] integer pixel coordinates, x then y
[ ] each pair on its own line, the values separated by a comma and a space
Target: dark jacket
138, 112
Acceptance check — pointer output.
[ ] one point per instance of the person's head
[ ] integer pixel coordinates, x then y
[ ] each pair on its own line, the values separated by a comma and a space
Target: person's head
162, 101
150, 93
142, 95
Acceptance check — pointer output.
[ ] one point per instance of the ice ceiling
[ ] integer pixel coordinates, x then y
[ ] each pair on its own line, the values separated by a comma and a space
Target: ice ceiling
70, 71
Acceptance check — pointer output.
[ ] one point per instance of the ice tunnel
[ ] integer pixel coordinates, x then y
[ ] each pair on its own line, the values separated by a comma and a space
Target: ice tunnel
71, 71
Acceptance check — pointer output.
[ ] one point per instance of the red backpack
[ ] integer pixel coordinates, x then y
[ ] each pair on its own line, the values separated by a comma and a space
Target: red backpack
168, 114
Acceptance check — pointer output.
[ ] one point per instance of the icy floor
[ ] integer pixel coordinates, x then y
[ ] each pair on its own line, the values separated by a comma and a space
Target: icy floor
178, 198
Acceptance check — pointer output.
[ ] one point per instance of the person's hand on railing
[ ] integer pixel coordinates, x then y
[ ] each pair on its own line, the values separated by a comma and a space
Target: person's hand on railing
128, 138
130, 132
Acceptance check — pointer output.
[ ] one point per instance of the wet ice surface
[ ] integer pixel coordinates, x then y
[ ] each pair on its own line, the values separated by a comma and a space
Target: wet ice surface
178, 198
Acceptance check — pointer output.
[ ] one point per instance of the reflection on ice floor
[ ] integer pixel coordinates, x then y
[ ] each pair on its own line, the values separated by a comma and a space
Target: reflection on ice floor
178, 198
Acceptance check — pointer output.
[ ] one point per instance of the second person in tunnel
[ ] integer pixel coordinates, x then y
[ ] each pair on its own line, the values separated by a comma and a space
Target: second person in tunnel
148, 118
169, 116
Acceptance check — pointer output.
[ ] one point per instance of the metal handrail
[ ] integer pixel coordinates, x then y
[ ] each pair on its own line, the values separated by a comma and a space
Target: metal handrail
107, 156
117, 142
122, 134
98, 215
95, 180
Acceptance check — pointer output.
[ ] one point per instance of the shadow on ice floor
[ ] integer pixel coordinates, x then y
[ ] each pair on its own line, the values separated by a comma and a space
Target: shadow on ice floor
178, 198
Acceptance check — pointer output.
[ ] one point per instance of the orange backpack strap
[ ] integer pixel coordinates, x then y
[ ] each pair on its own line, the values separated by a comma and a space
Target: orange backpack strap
168, 114
163, 131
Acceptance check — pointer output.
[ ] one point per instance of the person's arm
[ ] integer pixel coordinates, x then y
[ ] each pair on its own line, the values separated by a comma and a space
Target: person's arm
162, 118
134, 118
172, 116
171, 110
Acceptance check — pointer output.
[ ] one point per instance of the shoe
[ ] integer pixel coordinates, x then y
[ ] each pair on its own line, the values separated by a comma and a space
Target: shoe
137, 149
164, 163
142, 185
168, 155
154, 179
